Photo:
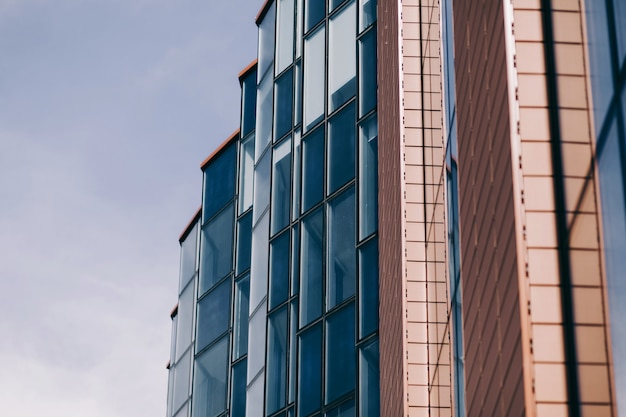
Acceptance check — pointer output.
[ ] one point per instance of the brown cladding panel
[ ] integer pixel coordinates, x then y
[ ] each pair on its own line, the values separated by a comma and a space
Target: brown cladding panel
492, 327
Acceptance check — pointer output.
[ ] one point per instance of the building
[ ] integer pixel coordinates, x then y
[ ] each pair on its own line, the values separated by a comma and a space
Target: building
422, 213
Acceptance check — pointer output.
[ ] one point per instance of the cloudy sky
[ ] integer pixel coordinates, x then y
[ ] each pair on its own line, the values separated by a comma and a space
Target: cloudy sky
107, 108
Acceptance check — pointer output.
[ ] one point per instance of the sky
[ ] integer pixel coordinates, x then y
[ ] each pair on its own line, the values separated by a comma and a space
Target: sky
107, 109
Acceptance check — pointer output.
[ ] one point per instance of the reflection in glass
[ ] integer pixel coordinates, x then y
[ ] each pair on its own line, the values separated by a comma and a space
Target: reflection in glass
297, 170
284, 35
314, 70
313, 169
219, 181
368, 288
238, 396
185, 320
188, 249
266, 43
341, 144
240, 322
248, 105
256, 341
293, 326
183, 412
367, 73
333, 4
216, 249
295, 260
246, 176
210, 386
314, 12
283, 103
264, 118
279, 270
367, 14
311, 270
213, 315
343, 410
297, 115
341, 253
369, 380
276, 389
260, 260
244, 243
261, 187
340, 351
281, 186
181, 380
341, 54
368, 176
299, 21
310, 367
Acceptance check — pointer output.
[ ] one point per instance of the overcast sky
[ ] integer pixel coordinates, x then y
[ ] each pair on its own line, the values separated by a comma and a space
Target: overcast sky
107, 108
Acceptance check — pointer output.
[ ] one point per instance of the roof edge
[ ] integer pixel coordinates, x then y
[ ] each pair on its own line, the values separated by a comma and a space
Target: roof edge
263, 11
190, 225
220, 148
248, 69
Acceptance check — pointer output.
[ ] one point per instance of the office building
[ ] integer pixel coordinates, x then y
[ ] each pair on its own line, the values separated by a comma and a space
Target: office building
422, 213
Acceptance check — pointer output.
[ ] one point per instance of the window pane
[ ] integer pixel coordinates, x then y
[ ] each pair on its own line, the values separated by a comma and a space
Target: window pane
264, 118
313, 169
240, 323
210, 386
260, 261
213, 315
340, 353
297, 116
299, 22
341, 144
314, 70
256, 339
284, 27
297, 171
246, 174
341, 254
244, 243
367, 14
367, 73
185, 320
315, 11
295, 260
279, 270
344, 410
368, 176
369, 380
276, 389
311, 270
248, 105
368, 288
188, 249
261, 187
181, 380
281, 186
283, 103
310, 366
184, 412
238, 397
266, 42
217, 249
333, 4
219, 182
341, 57
293, 325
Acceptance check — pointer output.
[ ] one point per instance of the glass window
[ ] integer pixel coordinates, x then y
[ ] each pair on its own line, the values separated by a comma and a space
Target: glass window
260, 261
181, 380
188, 249
217, 249
313, 169
238, 396
340, 353
299, 21
283, 103
368, 176
244, 243
266, 43
368, 288
184, 412
279, 270
264, 118
213, 315
310, 367
210, 386
367, 72
219, 181
295, 260
261, 187
256, 340
293, 326
173, 339
341, 145
281, 186
240, 322
341, 57
295, 207
248, 105
314, 70
297, 116
276, 372
341, 253
343, 410
285, 29
369, 380
599, 58
315, 11
246, 174
367, 13
333, 4
311, 269
620, 26
185, 320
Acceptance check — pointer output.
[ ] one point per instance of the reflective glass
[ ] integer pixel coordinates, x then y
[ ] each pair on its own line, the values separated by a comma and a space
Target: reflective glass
293, 326
213, 315
367, 72
341, 57
340, 353
341, 253
216, 249
281, 186
299, 21
297, 171
343, 410
210, 386
266, 43
264, 118
369, 380
246, 174
188, 252
314, 70
279, 270
310, 368
297, 115
368, 288
183, 412
311, 267
185, 320
219, 181
276, 371
256, 343
332, 4
254, 397
238, 396
244, 243
368, 176
367, 13
181, 380
284, 29
313, 169
260, 261
295, 260
341, 148
248, 105
599, 58
620, 26
314, 12
240, 322
261, 187
283, 103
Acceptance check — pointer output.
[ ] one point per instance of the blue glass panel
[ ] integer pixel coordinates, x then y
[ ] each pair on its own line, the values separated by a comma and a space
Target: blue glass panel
314, 71
188, 253
310, 367
240, 322
343, 410
332, 4
181, 381
217, 249
281, 186
341, 57
315, 11
367, 13
341, 145
313, 169
284, 35
311, 267
262, 184
297, 116
293, 326
297, 174
599, 58
276, 371
184, 329
219, 181
248, 104
369, 380
213, 315
279, 270
267, 42
368, 176
246, 174
244, 243
368, 288
283, 105
295, 260
264, 118
341, 253
238, 397
340, 353
367, 72
210, 377
620, 26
